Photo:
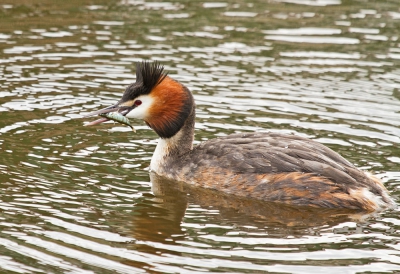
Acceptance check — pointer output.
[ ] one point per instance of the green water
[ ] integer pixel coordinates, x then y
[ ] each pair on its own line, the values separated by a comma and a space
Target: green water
77, 199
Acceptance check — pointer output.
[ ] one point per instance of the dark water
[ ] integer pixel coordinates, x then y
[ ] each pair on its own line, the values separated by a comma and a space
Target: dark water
77, 199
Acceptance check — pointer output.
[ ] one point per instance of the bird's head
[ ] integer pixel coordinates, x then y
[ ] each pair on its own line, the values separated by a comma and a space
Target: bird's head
163, 103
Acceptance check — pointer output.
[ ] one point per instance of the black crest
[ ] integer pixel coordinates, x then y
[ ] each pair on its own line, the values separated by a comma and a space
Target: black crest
148, 76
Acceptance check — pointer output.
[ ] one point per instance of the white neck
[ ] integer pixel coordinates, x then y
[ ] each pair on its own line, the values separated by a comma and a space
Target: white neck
158, 155
163, 149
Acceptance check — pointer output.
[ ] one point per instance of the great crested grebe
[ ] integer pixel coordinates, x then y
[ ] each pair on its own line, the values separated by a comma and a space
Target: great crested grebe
265, 166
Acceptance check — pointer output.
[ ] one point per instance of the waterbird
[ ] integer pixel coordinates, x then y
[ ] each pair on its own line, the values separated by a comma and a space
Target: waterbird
266, 166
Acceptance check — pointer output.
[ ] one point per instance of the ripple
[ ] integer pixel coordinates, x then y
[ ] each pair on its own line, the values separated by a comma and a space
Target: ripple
376, 37
142, 5
79, 255
209, 5
312, 2
23, 49
304, 31
56, 34
203, 34
176, 15
87, 231
313, 39
394, 15
4, 36
364, 30
8, 264
109, 23
240, 14
321, 54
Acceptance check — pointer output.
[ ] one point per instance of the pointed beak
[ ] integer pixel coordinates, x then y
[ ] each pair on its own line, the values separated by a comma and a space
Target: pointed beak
115, 108
103, 110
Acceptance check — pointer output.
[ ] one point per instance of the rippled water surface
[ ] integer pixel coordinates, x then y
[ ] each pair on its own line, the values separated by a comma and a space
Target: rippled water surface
77, 199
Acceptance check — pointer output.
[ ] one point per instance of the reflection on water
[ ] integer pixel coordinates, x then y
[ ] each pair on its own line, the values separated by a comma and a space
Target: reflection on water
247, 212
79, 199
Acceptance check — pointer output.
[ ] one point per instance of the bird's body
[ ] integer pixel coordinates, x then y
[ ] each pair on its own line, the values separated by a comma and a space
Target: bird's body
264, 166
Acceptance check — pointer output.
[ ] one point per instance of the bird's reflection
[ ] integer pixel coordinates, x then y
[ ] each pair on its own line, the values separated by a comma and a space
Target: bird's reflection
158, 218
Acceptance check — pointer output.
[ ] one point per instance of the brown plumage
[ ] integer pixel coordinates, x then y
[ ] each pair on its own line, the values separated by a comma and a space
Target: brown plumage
264, 166
171, 103
279, 168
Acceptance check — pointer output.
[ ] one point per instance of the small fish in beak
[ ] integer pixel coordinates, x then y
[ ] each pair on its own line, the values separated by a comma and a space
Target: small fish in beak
118, 117
111, 113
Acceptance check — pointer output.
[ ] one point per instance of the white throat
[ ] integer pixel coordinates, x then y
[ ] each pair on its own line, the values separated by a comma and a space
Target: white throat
161, 151
164, 149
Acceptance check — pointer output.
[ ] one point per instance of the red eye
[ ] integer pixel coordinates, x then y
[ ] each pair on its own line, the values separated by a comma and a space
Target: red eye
138, 103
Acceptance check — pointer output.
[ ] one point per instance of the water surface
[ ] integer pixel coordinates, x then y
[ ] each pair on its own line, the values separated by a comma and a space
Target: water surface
78, 199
